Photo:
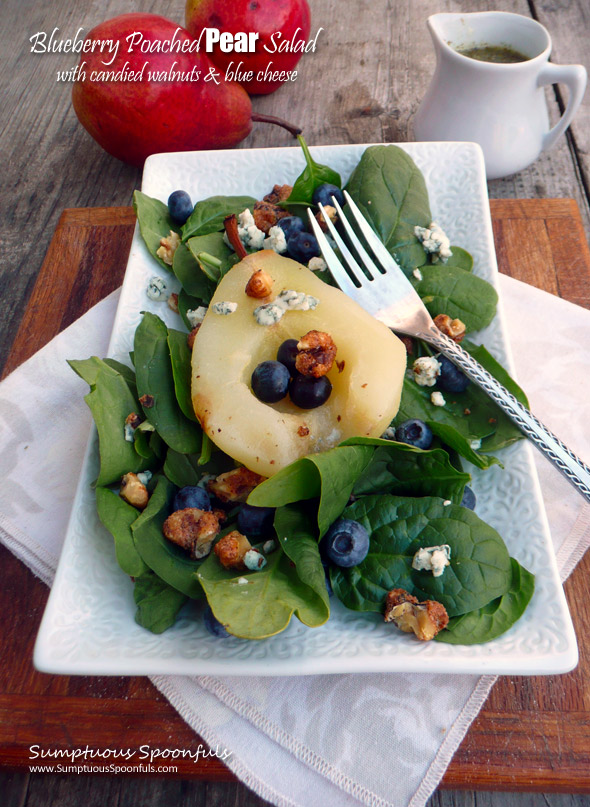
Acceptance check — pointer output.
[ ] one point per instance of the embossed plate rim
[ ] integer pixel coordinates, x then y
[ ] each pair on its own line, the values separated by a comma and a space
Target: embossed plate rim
88, 625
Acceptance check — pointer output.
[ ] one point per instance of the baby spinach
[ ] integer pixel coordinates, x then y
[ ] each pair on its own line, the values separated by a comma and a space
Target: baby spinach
186, 303
180, 357
329, 475
214, 245
407, 471
447, 289
157, 603
254, 605
193, 280
154, 223
461, 259
155, 378
497, 616
485, 358
390, 190
118, 516
480, 567
171, 563
455, 440
297, 535
110, 401
187, 469
313, 175
209, 214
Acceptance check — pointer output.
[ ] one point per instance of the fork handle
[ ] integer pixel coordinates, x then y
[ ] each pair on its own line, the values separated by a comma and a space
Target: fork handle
571, 466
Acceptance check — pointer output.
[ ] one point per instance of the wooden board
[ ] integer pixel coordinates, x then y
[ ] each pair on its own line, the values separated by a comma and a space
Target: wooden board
533, 733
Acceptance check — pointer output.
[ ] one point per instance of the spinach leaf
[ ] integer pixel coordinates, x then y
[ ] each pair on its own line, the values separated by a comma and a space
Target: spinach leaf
313, 175
171, 563
118, 516
451, 290
480, 567
208, 215
187, 469
213, 245
141, 441
154, 378
452, 438
193, 280
461, 259
110, 401
157, 603
496, 617
297, 536
407, 471
390, 190
180, 356
485, 358
330, 475
154, 223
128, 373
254, 605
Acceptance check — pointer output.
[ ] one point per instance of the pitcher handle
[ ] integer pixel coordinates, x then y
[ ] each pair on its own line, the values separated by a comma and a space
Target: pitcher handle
574, 77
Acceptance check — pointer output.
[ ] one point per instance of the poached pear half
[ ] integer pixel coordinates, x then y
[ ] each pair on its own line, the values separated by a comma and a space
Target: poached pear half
366, 379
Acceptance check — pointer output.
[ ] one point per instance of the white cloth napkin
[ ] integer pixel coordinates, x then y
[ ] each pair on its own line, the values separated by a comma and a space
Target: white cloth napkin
317, 741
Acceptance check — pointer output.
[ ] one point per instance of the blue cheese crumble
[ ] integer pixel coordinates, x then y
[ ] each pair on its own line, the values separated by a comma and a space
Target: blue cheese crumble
157, 289
417, 274
196, 316
435, 242
433, 559
129, 433
250, 236
254, 560
269, 546
426, 370
144, 477
475, 444
288, 300
276, 240
223, 308
437, 398
317, 265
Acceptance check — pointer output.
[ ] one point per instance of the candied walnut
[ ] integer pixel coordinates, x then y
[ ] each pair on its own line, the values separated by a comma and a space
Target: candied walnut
316, 354
408, 344
332, 214
236, 485
231, 550
425, 619
173, 302
133, 491
266, 215
303, 431
259, 285
219, 514
133, 420
192, 529
453, 328
278, 194
168, 247
190, 339
147, 401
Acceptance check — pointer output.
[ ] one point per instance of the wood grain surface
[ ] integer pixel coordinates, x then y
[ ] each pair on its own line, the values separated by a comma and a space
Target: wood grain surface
533, 733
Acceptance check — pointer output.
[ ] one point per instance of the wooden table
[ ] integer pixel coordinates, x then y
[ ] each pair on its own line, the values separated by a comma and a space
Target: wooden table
533, 734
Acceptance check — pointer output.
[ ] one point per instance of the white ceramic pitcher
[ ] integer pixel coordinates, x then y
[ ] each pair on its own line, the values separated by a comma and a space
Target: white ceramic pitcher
500, 106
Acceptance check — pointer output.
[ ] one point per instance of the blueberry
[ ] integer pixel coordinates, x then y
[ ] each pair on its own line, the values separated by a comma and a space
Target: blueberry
451, 379
346, 543
270, 381
287, 354
307, 392
415, 433
213, 625
323, 195
291, 225
191, 496
468, 499
179, 206
303, 247
255, 520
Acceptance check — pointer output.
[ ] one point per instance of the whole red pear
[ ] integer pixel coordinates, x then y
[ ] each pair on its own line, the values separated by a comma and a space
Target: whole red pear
133, 119
291, 18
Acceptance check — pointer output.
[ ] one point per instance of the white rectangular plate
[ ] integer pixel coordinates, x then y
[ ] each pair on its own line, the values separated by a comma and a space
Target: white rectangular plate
89, 627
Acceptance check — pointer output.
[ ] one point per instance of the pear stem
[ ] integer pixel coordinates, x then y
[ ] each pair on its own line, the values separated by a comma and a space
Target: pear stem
260, 118
231, 228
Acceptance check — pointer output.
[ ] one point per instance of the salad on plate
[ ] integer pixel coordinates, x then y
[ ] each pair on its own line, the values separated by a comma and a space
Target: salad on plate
281, 447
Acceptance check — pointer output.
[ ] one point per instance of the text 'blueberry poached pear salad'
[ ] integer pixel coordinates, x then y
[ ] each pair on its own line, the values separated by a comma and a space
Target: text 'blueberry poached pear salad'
281, 446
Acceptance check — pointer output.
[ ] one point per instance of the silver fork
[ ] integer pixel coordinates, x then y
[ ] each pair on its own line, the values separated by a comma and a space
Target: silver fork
390, 297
